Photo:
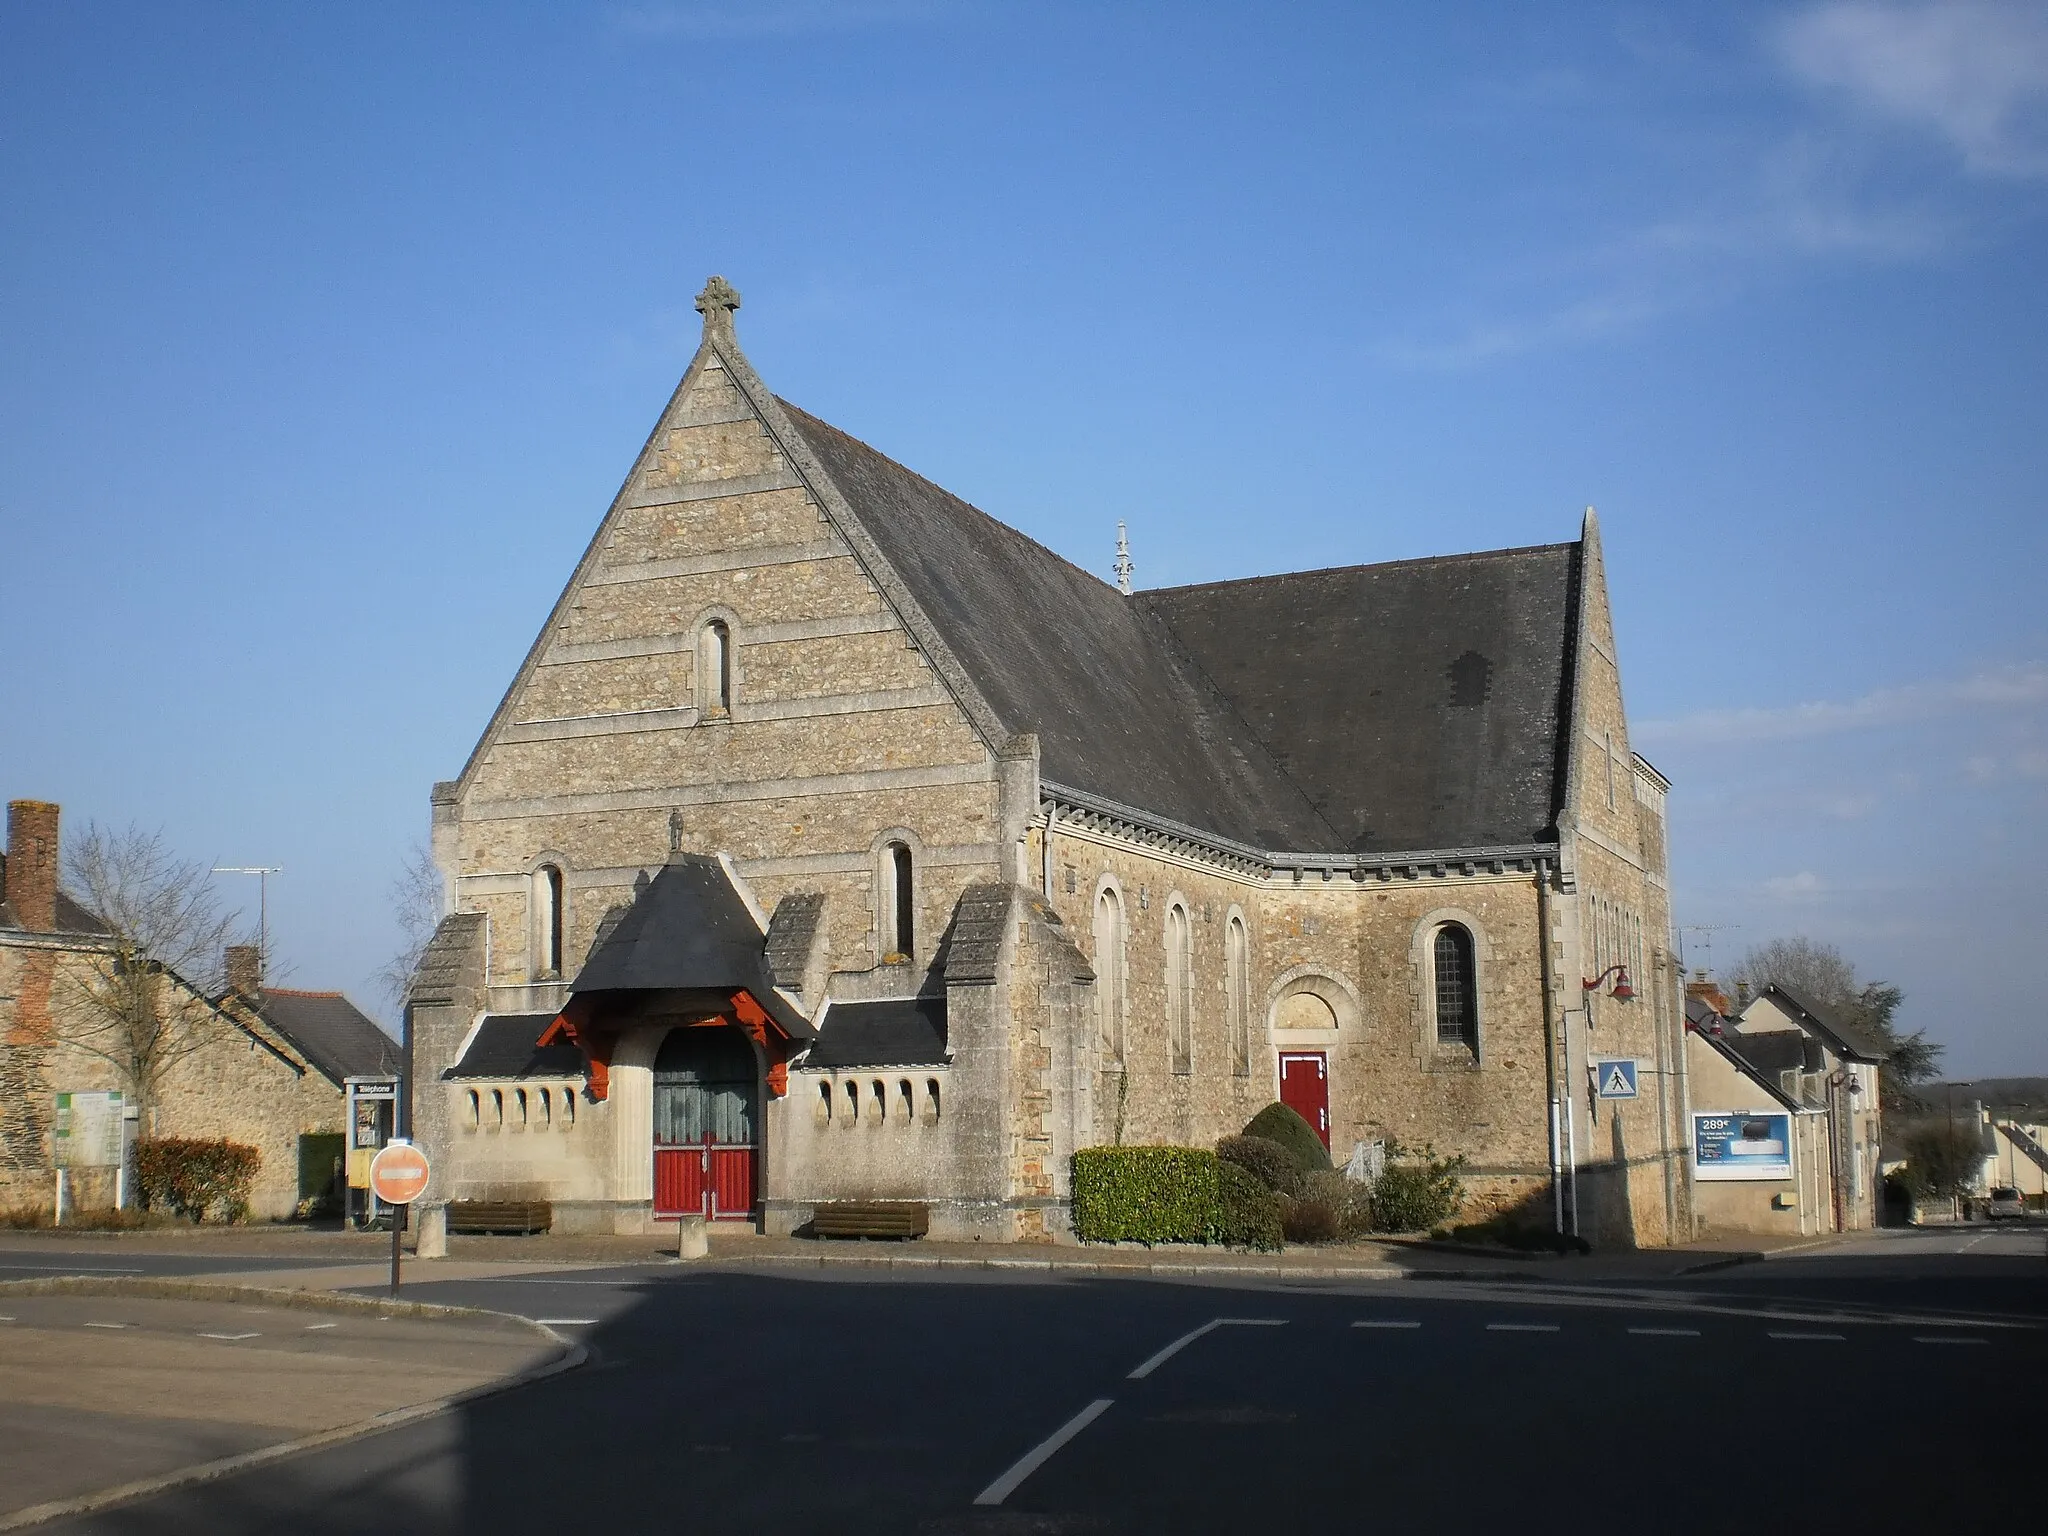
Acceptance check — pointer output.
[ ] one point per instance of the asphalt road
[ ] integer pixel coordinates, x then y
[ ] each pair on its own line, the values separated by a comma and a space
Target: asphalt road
1861, 1390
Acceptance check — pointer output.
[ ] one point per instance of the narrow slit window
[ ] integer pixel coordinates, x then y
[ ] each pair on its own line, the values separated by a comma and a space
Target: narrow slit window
718, 666
1179, 989
547, 900
901, 907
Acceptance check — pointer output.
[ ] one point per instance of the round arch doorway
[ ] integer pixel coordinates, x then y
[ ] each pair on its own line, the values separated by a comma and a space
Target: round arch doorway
707, 1116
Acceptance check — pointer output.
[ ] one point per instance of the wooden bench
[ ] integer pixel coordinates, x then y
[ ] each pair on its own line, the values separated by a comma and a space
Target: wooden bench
872, 1218
522, 1216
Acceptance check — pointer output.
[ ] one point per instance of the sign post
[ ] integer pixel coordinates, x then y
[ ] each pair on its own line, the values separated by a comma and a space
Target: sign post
398, 1176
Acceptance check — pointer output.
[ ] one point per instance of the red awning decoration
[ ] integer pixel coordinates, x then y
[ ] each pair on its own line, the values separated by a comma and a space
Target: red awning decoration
577, 1025
572, 1024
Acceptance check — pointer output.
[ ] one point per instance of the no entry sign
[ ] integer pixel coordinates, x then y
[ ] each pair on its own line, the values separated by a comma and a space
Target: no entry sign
398, 1173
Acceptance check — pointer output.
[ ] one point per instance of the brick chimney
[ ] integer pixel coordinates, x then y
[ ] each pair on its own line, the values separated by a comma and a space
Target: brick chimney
1710, 993
244, 965
32, 863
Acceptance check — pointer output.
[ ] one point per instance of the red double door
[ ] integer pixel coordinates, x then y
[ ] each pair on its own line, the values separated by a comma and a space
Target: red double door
1305, 1088
711, 1178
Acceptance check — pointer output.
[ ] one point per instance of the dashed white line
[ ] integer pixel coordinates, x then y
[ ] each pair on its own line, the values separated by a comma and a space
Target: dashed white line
316, 1327
231, 1338
566, 1322
1384, 1322
1929, 1338
1834, 1338
106, 1325
1189, 1337
1044, 1451
1666, 1333
1521, 1327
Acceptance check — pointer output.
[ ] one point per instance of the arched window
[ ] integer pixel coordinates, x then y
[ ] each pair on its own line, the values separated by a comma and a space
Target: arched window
1109, 969
1457, 989
547, 922
715, 668
1180, 987
568, 1107
1237, 995
899, 905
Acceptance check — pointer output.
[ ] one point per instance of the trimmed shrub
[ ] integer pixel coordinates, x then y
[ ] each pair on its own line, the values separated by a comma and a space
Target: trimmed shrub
1267, 1161
196, 1179
1327, 1208
1417, 1191
1277, 1123
1145, 1195
1249, 1213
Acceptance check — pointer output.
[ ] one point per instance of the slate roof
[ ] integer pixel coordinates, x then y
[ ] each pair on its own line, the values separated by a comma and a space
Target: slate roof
1411, 706
1775, 1051
1419, 704
1119, 712
503, 1047
1847, 1037
689, 931
898, 1032
71, 917
792, 934
337, 1037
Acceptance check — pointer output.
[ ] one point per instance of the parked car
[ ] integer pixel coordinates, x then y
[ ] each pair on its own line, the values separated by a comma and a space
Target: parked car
2005, 1202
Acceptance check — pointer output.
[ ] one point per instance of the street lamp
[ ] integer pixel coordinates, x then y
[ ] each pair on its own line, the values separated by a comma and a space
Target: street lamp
1621, 991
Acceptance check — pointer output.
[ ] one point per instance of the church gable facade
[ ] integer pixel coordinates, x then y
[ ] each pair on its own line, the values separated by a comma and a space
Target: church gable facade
1002, 861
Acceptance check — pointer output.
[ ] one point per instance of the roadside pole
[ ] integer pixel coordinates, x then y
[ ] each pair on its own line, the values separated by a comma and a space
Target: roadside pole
398, 1176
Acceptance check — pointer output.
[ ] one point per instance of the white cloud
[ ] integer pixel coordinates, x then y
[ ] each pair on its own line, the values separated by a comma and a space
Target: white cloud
1974, 72
1804, 886
2013, 688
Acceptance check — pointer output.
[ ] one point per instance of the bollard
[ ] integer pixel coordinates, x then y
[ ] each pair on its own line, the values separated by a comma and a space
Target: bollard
692, 1242
432, 1242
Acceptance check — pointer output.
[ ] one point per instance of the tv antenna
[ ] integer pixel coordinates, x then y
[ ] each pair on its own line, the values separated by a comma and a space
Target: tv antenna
262, 872
1707, 944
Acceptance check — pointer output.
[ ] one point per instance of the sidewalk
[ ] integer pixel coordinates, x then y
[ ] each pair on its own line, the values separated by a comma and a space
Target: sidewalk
114, 1388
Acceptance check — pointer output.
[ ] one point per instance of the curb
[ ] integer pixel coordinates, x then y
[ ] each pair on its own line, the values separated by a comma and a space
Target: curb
570, 1356
1097, 1270
1759, 1255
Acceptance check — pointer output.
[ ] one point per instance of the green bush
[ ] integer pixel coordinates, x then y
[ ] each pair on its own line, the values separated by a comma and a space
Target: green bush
1267, 1161
1417, 1191
196, 1179
1277, 1123
1145, 1195
1249, 1213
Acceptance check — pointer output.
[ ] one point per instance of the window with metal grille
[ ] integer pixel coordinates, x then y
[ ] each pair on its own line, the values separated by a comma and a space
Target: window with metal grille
1457, 1000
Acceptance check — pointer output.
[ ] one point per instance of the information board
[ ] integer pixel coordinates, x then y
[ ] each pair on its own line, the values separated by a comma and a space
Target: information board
86, 1130
1742, 1146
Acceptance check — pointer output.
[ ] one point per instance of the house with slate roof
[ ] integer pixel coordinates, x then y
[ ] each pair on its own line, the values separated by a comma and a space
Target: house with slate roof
836, 840
251, 1064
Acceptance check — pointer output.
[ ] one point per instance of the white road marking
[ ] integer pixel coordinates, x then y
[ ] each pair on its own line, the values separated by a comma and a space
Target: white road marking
1922, 1338
6, 1319
1521, 1327
1188, 1338
316, 1327
106, 1325
1044, 1451
1666, 1333
1384, 1322
231, 1338
70, 1269
1833, 1337
566, 1322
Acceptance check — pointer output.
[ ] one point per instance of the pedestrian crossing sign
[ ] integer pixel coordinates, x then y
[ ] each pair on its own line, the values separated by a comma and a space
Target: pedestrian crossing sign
1614, 1078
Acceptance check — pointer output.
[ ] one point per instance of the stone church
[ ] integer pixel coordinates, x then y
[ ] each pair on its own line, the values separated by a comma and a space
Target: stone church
836, 840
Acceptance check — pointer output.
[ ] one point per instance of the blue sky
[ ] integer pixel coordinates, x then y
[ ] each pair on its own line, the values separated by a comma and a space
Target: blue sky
329, 333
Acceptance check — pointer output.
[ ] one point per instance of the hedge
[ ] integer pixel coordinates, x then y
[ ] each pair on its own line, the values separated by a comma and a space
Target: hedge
1249, 1214
1276, 1122
1146, 1195
195, 1178
1267, 1161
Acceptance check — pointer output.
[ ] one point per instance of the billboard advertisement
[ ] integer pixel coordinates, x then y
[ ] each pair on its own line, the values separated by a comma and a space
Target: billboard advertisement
1742, 1146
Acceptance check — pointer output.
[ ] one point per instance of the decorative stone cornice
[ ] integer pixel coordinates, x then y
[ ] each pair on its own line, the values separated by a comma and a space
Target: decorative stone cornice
1079, 811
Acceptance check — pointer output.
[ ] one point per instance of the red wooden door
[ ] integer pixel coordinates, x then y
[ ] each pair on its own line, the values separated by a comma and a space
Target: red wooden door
712, 1178
1305, 1088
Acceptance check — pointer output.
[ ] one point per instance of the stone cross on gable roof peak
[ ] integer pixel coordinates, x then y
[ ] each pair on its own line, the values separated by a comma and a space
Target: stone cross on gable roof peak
716, 304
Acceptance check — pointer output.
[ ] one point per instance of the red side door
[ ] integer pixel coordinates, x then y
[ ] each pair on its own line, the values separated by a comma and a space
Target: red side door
711, 1178
1305, 1088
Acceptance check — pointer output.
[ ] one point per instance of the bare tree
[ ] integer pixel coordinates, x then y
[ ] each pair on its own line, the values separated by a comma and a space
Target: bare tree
132, 1002
416, 902
1823, 976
